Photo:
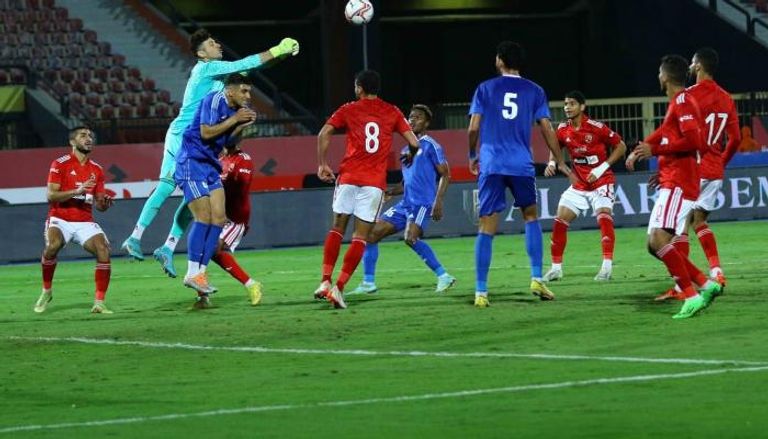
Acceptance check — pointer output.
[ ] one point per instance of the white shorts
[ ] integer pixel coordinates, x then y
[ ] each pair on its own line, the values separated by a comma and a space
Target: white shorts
80, 232
580, 201
708, 196
670, 211
231, 234
363, 202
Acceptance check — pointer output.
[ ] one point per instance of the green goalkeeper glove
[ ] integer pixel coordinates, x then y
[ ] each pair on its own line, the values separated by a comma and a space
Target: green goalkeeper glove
288, 46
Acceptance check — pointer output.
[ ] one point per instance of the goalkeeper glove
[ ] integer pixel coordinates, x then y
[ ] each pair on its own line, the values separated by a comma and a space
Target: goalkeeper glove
287, 46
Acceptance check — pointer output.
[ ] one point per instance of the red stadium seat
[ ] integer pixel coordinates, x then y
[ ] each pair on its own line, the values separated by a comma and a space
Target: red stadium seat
49, 3
118, 60
133, 72
90, 111
115, 99
108, 112
101, 74
90, 36
61, 13
148, 98
164, 96
143, 111
134, 85
161, 110
176, 109
98, 86
116, 86
105, 48
75, 25
149, 84
126, 111
62, 88
94, 99
67, 75
76, 99
130, 98
51, 75
117, 73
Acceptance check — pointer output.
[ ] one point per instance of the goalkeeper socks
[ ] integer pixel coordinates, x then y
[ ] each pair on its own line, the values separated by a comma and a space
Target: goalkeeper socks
331, 252
370, 257
351, 260
161, 193
534, 247
428, 256
49, 267
227, 261
181, 220
709, 245
559, 240
483, 253
196, 246
211, 244
608, 235
102, 274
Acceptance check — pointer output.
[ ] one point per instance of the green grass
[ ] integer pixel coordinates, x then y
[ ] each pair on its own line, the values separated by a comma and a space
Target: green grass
57, 381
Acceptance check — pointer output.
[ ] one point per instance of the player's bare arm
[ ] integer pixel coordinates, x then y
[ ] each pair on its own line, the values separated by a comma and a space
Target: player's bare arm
243, 115
442, 186
56, 196
473, 134
616, 154
324, 171
545, 125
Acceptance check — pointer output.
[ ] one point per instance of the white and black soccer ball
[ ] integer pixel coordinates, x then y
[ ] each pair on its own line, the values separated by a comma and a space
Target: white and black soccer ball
358, 11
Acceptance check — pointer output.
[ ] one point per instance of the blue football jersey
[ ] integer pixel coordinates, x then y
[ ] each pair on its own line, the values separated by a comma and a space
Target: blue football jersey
213, 110
420, 179
509, 106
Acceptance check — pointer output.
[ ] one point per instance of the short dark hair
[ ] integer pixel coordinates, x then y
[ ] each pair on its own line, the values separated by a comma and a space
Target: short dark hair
73, 131
369, 81
237, 79
196, 39
511, 54
708, 58
577, 96
421, 107
676, 68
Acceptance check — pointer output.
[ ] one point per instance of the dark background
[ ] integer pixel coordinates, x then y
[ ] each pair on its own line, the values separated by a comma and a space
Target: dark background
437, 51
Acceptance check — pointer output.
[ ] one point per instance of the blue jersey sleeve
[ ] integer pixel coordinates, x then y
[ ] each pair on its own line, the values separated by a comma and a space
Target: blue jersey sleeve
437, 155
213, 107
477, 101
541, 105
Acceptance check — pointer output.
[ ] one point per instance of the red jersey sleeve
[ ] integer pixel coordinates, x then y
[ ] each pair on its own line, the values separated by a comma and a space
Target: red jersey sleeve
245, 172
54, 173
99, 189
401, 125
338, 119
733, 132
609, 136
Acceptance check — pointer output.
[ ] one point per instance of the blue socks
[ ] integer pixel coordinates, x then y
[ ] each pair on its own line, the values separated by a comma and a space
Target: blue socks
428, 256
483, 249
534, 247
196, 241
370, 257
211, 242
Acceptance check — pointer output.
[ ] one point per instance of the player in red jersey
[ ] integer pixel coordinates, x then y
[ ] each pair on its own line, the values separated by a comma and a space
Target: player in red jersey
370, 123
75, 185
587, 141
237, 171
676, 142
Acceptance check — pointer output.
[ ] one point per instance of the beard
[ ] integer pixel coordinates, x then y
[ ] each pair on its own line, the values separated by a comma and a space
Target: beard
83, 150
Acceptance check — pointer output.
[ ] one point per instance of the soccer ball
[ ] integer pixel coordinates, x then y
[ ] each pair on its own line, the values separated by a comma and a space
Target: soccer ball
358, 11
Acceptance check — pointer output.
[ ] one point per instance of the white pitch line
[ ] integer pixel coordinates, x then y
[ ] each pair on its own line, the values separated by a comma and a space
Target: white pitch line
404, 398
370, 353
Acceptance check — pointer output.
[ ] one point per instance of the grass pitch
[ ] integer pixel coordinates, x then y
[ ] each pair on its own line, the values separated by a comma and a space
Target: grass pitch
603, 360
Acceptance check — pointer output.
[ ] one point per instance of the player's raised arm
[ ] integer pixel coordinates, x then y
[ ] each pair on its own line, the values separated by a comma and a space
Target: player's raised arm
324, 171
286, 47
413, 146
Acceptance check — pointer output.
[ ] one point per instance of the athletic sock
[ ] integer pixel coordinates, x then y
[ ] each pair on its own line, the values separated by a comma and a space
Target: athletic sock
351, 260
196, 246
370, 257
428, 256
102, 274
49, 267
559, 240
181, 220
227, 261
608, 235
709, 245
676, 267
161, 193
534, 247
331, 252
483, 255
211, 244
682, 244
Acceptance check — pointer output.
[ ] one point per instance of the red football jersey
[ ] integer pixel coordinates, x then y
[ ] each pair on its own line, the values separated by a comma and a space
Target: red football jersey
672, 143
587, 146
718, 112
369, 124
237, 170
69, 174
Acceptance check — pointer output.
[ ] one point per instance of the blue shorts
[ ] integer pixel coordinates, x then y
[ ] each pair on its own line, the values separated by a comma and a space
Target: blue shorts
492, 192
196, 179
401, 214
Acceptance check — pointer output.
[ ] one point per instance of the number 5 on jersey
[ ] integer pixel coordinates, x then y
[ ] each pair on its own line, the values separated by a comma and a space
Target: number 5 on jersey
510, 106
371, 137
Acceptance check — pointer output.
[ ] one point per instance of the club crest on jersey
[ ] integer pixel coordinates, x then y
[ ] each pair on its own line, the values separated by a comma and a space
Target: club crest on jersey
588, 138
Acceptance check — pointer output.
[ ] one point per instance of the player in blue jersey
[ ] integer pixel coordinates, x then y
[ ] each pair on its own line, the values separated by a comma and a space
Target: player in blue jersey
422, 201
502, 112
206, 76
218, 121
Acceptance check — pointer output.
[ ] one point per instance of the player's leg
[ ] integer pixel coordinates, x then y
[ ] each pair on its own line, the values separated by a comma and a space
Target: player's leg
418, 220
343, 206
224, 257
164, 189
218, 218
525, 194
491, 201
164, 253
365, 208
706, 203
98, 246
602, 200
200, 205
393, 220
571, 203
55, 240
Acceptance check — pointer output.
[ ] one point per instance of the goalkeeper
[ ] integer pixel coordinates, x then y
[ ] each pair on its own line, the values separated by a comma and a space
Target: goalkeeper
206, 76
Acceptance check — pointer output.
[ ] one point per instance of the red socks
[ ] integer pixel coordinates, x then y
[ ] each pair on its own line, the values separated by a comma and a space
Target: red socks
682, 244
49, 267
227, 261
708, 244
351, 260
608, 239
331, 252
103, 272
677, 268
559, 239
